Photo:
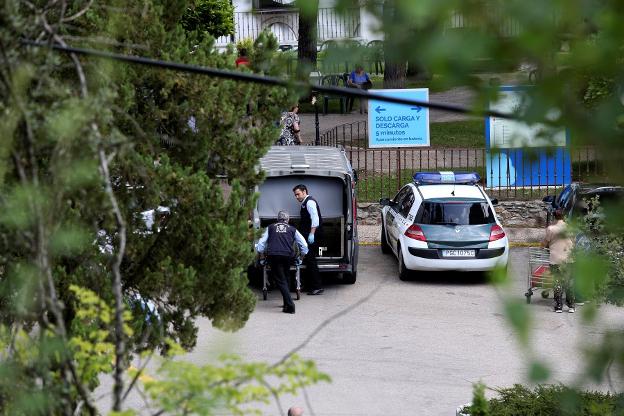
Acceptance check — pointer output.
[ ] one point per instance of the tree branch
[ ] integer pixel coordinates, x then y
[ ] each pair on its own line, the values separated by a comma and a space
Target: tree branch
278, 403
78, 14
120, 346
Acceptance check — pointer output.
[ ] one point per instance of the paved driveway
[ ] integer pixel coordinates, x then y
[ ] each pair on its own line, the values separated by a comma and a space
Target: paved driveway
405, 348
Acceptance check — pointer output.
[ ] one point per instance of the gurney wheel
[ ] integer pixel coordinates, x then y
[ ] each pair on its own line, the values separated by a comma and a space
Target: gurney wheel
298, 294
264, 294
545, 294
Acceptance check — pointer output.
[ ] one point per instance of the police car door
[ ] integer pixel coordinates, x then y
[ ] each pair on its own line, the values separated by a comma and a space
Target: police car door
393, 217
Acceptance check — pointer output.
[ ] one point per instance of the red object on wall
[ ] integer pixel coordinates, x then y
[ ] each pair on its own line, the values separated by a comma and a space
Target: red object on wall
241, 60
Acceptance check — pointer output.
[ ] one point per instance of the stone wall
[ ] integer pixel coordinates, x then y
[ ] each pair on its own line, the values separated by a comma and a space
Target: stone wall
527, 214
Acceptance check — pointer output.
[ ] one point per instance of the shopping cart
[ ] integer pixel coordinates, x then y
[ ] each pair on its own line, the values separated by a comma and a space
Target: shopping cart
265, 279
539, 276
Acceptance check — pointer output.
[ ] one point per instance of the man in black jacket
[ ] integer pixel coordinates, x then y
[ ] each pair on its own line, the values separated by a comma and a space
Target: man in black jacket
277, 242
311, 228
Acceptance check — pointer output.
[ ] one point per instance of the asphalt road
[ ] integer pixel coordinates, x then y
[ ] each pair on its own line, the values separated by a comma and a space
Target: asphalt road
408, 348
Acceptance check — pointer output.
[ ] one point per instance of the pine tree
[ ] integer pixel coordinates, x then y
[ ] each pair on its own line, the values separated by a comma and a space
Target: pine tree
187, 143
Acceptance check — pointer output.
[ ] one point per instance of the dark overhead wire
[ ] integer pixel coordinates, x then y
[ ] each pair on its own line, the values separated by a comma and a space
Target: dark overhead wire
263, 79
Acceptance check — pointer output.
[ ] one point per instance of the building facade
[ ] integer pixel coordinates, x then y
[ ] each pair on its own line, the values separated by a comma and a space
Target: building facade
281, 17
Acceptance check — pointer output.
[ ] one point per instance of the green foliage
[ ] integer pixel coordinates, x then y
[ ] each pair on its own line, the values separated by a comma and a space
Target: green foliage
87, 153
215, 17
32, 369
480, 405
599, 262
32, 379
598, 89
170, 139
539, 372
518, 316
548, 400
246, 44
185, 388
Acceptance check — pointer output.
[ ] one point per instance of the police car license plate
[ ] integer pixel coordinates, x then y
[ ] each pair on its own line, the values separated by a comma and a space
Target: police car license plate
458, 253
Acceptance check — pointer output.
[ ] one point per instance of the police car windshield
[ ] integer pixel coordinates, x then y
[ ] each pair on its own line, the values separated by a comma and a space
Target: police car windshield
455, 213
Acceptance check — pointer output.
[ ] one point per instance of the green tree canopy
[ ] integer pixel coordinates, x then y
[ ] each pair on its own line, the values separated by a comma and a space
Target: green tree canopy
214, 17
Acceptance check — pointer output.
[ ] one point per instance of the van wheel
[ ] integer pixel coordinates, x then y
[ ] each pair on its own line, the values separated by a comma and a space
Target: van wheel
349, 278
403, 271
385, 247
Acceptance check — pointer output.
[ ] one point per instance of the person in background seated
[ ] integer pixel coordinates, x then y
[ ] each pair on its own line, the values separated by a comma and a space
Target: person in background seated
359, 79
560, 245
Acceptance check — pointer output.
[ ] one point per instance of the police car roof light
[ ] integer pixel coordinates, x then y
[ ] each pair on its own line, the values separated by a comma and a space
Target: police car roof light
429, 178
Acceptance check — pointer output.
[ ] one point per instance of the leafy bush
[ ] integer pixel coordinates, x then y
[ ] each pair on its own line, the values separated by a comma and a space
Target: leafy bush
246, 44
597, 89
215, 17
600, 240
551, 400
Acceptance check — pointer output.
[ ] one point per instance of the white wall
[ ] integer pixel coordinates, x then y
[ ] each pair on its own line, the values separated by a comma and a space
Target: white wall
242, 5
370, 27
369, 24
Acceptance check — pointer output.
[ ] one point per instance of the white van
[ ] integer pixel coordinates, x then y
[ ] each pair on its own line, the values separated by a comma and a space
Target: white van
328, 175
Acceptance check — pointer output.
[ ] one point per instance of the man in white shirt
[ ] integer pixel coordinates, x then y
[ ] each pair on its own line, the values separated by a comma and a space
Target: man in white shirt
311, 227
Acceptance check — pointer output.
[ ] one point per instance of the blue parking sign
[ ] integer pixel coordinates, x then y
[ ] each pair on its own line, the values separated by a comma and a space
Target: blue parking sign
398, 125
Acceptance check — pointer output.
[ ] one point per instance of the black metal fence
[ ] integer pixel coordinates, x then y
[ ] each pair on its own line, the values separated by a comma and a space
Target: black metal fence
381, 172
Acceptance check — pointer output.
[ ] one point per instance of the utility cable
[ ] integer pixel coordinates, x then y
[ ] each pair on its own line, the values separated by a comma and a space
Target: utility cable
267, 80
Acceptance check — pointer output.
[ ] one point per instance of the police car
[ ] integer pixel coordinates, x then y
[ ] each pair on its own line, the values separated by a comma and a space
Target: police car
443, 221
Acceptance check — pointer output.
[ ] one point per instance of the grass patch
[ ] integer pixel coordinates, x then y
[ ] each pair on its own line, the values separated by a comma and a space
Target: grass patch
464, 134
372, 186
468, 133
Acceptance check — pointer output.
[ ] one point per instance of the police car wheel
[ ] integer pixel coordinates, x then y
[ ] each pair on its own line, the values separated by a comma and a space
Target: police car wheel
403, 271
385, 247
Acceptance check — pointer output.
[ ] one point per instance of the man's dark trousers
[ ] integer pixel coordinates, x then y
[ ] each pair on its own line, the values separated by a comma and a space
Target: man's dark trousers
280, 266
313, 280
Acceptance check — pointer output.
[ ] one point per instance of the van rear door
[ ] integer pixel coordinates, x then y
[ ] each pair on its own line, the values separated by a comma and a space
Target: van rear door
276, 194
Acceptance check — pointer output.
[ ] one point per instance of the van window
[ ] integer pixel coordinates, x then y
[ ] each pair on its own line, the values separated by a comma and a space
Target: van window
455, 213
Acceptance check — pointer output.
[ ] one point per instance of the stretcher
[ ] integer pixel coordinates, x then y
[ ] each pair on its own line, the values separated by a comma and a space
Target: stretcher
265, 279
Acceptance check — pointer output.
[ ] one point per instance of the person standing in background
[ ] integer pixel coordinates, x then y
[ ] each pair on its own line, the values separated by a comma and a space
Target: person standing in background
560, 246
289, 135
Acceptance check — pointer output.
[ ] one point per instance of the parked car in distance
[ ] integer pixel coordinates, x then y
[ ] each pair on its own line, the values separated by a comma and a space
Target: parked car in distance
574, 198
443, 221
